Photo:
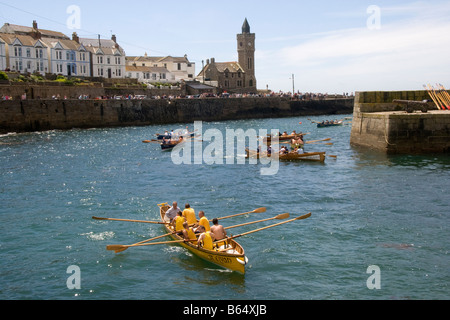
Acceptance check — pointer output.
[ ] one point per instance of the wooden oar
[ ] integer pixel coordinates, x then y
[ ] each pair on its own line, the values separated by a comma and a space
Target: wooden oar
126, 220
435, 98
313, 141
259, 210
432, 97
119, 248
279, 217
445, 92
261, 229
439, 98
325, 144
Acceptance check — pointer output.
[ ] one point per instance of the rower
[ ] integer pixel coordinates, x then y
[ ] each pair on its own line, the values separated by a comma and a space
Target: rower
206, 239
218, 231
178, 222
203, 222
188, 232
189, 214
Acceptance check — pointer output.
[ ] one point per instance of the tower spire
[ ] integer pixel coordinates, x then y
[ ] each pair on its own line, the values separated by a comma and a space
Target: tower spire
245, 27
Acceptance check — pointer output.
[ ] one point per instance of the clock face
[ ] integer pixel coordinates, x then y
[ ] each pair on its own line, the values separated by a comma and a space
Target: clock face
249, 44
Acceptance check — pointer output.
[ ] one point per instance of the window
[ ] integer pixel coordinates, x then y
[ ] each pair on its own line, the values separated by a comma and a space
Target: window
28, 53
179, 66
18, 51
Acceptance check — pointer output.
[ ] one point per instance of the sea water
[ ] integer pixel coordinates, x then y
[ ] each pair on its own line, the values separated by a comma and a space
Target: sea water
379, 227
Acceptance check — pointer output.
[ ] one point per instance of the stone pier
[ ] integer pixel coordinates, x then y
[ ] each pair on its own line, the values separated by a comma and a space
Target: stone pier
381, 124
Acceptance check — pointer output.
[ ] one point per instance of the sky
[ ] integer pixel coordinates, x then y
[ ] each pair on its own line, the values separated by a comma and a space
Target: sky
320, 46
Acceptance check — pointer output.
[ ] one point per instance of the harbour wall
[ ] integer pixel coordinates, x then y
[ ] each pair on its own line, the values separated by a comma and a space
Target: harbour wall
43, 115
381, 124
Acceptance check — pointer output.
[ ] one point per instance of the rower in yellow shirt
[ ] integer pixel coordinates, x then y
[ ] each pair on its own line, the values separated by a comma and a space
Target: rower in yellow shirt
188, 232
206, 239
178, 222
189, 214
204, 222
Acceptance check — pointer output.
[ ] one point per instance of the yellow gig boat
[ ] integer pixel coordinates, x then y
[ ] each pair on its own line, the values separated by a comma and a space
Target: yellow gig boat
230, 256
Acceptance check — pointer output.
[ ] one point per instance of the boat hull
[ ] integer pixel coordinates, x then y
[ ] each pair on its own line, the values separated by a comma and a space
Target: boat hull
309, 156
235, 261
325, 125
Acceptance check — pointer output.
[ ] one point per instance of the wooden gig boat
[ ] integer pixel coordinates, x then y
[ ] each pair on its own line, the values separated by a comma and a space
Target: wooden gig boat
291, 156
231, 256
330, 124
280, 138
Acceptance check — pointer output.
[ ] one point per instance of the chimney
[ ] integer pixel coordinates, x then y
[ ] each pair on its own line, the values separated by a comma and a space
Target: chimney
75, 37
35, 25
113, 38
213, 60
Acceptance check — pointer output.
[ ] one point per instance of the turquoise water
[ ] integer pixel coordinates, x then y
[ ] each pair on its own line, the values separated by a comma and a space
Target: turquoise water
367, 209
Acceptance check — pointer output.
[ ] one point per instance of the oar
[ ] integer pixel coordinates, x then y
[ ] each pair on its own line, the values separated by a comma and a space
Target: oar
325, 144
119, 248
443, 97
435, 98
279, 217
272, 226
439, 98
323, 140
259, 210
126, 220
445, 92
432, 97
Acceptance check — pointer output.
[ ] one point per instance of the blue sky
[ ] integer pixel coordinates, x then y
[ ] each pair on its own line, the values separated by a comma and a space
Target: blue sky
329, 46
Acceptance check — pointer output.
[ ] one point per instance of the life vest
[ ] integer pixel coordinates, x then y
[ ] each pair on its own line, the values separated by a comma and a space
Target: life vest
207, 241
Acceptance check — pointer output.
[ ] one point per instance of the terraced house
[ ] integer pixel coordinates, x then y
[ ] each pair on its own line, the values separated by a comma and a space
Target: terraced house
107, 57
31, 50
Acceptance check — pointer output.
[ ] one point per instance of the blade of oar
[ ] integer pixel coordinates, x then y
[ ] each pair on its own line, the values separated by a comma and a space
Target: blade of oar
127, 220
279, 217
272, 226
259, 210
332, 156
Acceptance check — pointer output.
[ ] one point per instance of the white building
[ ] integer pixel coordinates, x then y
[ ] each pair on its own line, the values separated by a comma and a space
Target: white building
25, 54
68, 58
179, 68
30, 49
107, 57
2, 55
148, 75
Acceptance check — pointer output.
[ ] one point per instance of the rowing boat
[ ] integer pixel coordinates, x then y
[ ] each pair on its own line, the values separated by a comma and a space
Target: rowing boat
169, 145
169, 136
291, 156
281, 138
230, 256
329, 124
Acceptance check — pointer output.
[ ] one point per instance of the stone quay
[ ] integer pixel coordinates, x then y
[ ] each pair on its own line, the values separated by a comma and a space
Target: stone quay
381, 122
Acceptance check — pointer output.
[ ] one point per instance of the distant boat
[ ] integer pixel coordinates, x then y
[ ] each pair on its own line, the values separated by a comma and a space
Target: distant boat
291, 156
330, 124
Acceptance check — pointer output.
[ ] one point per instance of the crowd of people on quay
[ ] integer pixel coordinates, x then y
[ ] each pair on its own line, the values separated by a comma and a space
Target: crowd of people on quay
224, 95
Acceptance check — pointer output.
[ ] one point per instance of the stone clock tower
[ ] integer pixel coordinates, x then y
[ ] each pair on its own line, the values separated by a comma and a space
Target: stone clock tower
246, 52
